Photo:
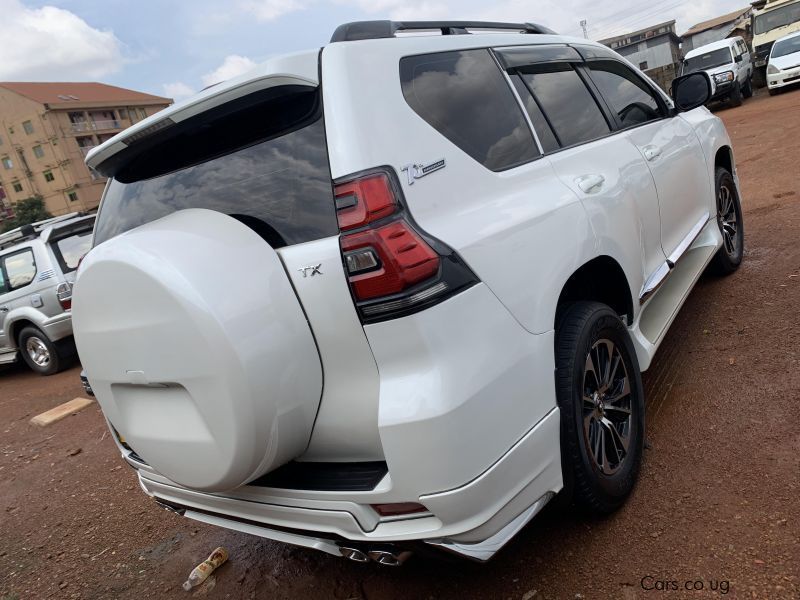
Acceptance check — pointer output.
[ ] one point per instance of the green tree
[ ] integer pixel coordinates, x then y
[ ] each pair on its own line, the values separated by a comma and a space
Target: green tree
26, 211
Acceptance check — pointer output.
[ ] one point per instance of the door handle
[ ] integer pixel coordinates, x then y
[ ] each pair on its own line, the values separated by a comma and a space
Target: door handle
590, 184
652, 152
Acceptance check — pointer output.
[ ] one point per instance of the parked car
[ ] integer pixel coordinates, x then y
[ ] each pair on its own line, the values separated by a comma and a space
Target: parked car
398, 292
729, 64
784, 63
771, 20
37, 270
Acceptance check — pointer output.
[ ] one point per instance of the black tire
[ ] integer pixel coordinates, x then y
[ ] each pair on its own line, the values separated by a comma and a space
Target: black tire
747, 90
736, 95
598, 485
730, 222
51, 358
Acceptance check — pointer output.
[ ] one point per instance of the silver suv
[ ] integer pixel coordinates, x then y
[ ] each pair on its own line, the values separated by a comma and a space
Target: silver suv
37, 269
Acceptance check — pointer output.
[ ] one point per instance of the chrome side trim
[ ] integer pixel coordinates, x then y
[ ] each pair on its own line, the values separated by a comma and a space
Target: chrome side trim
483, 551
660, 275
654, 282
687, 241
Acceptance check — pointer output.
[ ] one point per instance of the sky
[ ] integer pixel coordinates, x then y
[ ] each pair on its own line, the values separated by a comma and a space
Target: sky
176, 47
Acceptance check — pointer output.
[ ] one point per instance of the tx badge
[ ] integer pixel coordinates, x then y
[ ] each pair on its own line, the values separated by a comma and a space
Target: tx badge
414, 171
311, 271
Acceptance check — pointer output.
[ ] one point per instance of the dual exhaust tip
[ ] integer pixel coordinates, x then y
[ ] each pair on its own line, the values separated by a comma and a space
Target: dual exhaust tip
388, 556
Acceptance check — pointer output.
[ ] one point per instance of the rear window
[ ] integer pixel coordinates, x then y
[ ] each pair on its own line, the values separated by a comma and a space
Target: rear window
465, 97
265, 164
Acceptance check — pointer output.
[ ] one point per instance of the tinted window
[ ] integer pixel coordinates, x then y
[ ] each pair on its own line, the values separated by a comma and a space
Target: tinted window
70, 250
280, 185
540, 124
625, 93
466, 98
20, 268
708, 60
567, 104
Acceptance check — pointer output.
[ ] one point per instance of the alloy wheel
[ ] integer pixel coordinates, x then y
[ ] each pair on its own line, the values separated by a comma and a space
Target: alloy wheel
728, 219
607, 406
38, 352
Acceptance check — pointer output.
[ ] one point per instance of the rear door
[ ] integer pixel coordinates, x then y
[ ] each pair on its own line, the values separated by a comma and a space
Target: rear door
667, 143
604, 169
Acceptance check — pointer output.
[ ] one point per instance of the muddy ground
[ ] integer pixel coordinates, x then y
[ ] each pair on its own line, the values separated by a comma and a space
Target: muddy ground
717, 504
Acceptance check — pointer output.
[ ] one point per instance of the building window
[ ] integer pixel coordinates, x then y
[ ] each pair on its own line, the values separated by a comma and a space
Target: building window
28, 127
7, 164
48, 176
123, 114
73, 196
17, 186
643, 66
38, 152
142, 113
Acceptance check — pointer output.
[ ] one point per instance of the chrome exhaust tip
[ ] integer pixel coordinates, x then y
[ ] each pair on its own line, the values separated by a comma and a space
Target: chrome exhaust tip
354, 554
390, 558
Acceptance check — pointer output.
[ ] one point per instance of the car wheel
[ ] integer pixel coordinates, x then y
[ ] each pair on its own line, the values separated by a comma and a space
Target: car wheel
38, 352
601, 398
731, 225
747, 91
736, 95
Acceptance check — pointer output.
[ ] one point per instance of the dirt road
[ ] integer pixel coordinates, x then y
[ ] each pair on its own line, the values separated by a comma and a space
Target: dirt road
717, 505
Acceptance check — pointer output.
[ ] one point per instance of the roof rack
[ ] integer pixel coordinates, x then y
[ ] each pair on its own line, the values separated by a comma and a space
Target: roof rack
373, 30
28, 232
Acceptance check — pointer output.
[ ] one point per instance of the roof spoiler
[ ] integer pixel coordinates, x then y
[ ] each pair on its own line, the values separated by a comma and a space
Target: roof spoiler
373, 30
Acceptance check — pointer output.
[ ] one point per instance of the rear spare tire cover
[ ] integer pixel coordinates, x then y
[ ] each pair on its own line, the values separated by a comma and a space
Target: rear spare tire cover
197, 349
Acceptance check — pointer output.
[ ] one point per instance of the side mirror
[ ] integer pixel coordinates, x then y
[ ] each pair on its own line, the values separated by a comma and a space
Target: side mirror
691, 91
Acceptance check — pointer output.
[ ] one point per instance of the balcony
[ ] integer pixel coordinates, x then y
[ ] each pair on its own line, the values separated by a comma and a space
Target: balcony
95, 125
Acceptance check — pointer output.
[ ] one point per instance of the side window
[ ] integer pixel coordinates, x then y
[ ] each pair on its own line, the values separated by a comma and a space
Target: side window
546, 136
3, 284
625, 93
566, 102
70, 250
20, 268
465, 97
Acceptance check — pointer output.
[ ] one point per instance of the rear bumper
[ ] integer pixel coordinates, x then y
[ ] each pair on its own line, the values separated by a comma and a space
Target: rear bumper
526, 477
468, 426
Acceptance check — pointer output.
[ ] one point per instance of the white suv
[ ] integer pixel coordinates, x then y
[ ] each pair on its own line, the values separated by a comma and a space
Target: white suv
730, 66
400, 289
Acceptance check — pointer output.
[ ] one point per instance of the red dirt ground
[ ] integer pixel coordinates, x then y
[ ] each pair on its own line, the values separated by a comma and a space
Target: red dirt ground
717, 501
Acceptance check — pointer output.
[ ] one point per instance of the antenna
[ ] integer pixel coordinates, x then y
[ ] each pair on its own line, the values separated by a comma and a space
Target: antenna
585, 27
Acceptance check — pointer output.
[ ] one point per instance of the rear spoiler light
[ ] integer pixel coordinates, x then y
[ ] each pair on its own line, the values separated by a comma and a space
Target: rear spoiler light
393, 267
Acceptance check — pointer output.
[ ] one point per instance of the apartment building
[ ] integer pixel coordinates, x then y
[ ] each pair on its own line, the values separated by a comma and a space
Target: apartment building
46, 130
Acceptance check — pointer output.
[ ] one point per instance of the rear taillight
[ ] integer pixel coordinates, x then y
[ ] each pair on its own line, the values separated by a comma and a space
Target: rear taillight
394, 269
64, 293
